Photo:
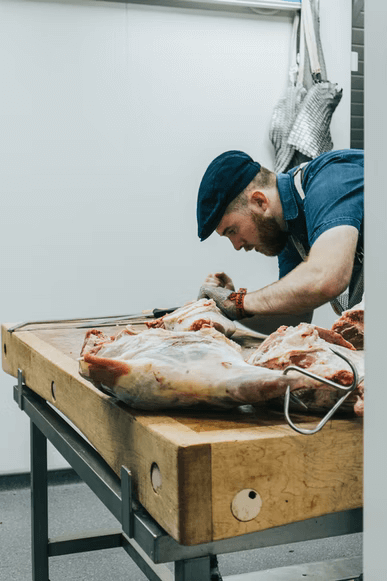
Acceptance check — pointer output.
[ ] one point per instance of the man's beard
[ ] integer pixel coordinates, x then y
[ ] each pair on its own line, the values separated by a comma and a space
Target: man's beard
272, 239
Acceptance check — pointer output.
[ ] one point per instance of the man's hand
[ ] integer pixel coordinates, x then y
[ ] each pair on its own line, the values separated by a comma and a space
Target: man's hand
219, 279
220, 296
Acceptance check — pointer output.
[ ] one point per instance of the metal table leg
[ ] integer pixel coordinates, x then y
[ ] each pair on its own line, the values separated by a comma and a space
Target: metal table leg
203, 568
193, 569
39, 506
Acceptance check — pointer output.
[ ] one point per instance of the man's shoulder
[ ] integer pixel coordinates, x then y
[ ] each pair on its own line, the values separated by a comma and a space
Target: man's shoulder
355, 156
333, 165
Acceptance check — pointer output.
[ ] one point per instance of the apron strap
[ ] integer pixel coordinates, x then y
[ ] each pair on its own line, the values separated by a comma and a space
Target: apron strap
297, 177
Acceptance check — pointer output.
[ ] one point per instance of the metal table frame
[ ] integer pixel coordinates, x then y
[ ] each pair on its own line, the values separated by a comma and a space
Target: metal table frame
140, 536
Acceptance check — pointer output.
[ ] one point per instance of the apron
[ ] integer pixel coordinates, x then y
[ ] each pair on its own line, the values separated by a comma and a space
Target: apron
344, 301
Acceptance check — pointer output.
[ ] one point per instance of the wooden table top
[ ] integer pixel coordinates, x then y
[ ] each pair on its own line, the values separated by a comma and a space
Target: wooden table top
206, 459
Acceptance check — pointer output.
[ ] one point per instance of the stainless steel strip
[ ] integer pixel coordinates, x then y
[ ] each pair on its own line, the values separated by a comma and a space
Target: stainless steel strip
224, 5
347, 522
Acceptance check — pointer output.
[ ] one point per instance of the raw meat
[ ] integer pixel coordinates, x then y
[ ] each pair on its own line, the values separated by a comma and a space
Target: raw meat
195, 316
158, 369
95, 339
303, 346
351, 325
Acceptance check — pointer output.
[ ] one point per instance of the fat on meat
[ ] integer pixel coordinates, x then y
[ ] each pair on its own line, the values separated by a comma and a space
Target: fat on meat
195, 316
350, 325
157, 369
309, 347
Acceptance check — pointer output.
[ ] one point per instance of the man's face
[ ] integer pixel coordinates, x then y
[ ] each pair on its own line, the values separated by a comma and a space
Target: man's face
253, 231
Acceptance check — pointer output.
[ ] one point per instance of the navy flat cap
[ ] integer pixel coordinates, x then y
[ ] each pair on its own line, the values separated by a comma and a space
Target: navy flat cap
225, 178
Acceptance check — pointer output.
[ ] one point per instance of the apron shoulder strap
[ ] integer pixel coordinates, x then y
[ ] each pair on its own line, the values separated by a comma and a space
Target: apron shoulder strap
299, 246
297, 177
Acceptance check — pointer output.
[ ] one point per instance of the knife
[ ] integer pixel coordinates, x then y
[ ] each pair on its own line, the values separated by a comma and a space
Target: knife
95, 321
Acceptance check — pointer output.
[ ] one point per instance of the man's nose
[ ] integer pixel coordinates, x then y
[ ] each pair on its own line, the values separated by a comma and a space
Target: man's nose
237, 243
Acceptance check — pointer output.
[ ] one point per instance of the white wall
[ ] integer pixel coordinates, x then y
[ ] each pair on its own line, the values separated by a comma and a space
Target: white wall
109, 115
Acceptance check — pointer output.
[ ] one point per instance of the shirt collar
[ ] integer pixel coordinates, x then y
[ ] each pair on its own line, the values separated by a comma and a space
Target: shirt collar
287, 194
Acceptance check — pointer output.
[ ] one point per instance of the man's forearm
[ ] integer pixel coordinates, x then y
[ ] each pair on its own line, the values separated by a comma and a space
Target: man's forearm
323, 276
299, 292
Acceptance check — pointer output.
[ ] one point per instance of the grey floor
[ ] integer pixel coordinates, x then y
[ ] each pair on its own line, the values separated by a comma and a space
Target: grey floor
74, 508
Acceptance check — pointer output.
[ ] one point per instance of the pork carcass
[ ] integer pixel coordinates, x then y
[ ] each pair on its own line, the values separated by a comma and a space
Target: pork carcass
351, 325
157, 369
195, 316
310, 347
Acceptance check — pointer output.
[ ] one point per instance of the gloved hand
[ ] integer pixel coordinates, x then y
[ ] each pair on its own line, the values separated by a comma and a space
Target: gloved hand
219, 279
220, 296
228, 301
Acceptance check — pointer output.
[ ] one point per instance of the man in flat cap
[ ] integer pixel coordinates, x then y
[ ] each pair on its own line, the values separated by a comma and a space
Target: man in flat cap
310, 217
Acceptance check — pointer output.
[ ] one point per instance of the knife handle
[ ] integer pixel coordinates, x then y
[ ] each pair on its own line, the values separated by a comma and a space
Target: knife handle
157, 313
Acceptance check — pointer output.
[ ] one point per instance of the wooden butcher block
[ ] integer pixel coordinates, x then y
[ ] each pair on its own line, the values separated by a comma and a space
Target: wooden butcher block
203, 476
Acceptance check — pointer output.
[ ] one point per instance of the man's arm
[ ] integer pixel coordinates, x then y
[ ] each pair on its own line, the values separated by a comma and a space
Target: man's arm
323, 276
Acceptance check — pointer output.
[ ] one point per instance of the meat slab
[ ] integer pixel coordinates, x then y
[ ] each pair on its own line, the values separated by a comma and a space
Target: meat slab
158, 368
351, 325
195, 316
309, 347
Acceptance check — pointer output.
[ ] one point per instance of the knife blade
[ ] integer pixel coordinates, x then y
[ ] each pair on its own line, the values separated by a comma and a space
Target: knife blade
93, 321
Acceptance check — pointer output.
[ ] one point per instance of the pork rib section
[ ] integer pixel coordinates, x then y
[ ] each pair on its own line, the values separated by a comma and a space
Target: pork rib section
158, 369
195, 316
351, 325
305, 347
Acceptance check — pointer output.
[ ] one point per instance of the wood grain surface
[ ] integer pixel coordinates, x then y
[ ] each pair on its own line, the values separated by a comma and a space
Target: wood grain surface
204, 459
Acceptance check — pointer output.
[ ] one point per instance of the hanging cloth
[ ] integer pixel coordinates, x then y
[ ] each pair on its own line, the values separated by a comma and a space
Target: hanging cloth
300, 123
287, 108
310, 132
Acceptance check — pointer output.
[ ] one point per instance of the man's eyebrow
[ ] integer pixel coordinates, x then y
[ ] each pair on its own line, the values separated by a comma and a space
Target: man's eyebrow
226, 230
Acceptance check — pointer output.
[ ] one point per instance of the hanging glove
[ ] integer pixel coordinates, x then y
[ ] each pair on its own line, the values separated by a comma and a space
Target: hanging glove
228, 301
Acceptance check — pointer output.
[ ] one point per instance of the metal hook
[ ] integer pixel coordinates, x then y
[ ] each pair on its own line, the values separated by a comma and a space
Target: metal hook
348, 391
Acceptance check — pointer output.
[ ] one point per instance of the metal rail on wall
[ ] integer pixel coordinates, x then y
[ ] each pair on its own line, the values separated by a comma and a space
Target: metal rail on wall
258, 6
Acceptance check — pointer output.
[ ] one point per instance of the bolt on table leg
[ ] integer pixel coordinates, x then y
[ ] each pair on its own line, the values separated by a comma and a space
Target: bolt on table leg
39, 505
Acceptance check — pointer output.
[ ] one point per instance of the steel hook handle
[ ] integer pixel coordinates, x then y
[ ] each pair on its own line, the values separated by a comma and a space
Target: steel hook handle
327, 417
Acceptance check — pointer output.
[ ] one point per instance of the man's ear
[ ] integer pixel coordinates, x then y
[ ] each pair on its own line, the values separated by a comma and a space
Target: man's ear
258, 198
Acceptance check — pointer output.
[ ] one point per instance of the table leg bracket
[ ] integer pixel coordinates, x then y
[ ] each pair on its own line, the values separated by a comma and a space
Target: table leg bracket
20, 388
127, 502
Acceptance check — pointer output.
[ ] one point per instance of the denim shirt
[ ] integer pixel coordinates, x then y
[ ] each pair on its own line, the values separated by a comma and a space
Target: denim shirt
333, 184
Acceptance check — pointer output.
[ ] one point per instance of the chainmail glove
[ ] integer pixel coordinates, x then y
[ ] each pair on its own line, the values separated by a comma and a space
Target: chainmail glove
228, 301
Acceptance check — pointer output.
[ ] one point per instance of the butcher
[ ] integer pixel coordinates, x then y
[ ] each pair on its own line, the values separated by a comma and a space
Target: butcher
310, 217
